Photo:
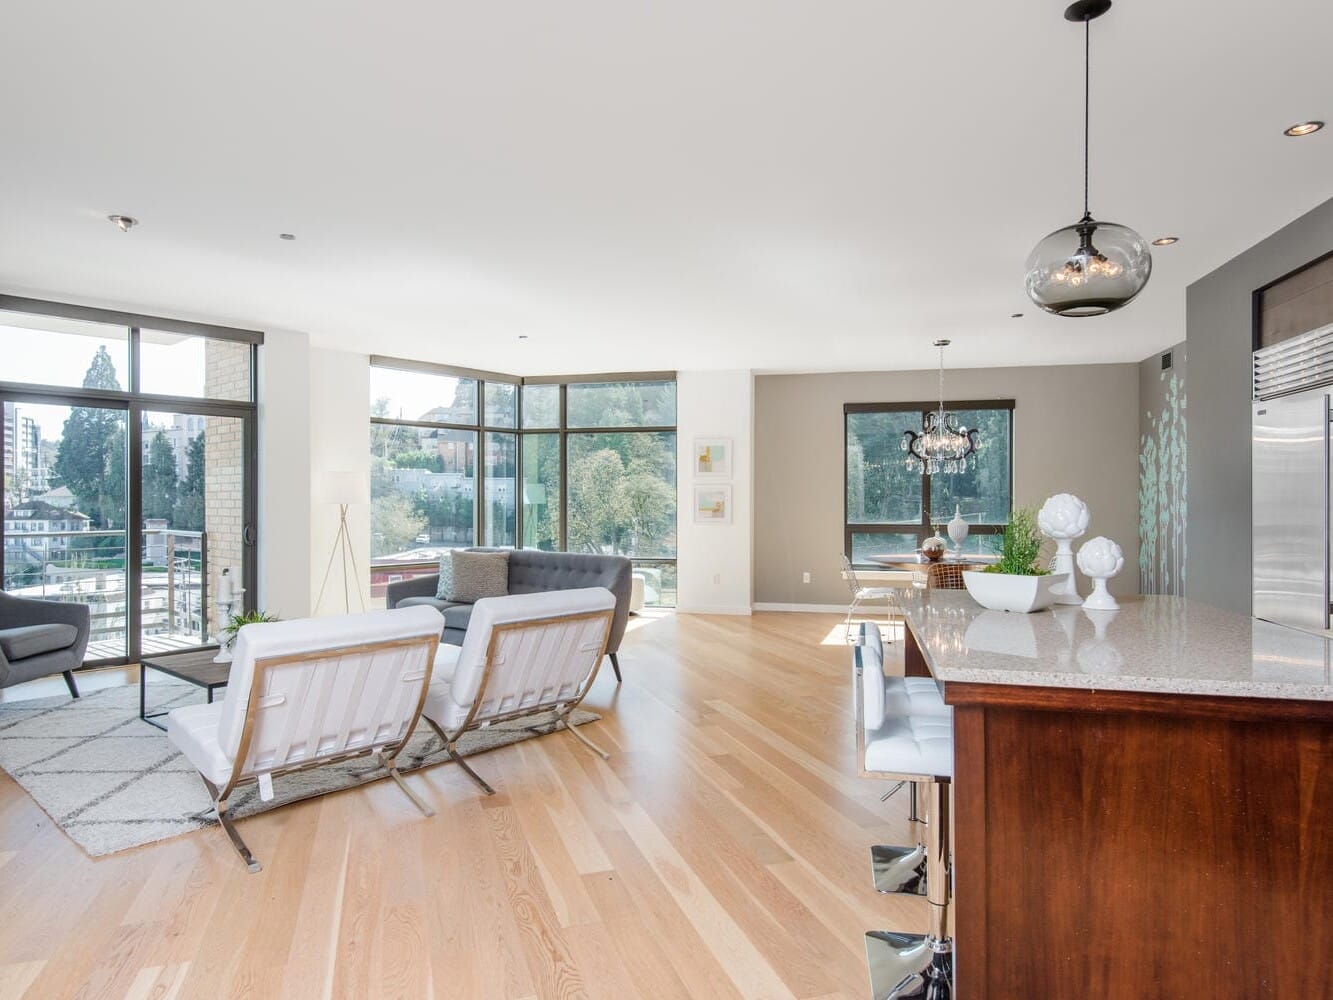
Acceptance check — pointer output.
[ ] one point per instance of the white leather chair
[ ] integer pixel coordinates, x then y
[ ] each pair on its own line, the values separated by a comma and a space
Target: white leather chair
309, 692
524, 655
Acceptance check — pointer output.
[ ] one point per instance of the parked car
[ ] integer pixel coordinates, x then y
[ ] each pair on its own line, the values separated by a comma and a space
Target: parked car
422, 539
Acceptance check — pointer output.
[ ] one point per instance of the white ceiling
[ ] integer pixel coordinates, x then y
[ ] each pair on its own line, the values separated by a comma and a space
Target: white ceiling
770, 184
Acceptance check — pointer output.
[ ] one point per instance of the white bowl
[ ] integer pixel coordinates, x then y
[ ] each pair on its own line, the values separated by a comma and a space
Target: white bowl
1010, 592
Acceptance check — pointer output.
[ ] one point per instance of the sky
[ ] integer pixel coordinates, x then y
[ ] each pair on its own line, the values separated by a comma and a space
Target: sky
411, 394
169, 363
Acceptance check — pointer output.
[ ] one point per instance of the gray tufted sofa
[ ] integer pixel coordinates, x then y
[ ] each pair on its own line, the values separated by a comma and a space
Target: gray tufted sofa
531, 571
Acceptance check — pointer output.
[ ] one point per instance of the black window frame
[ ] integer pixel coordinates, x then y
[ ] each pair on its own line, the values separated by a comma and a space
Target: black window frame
925, 527
134, 404
564, 431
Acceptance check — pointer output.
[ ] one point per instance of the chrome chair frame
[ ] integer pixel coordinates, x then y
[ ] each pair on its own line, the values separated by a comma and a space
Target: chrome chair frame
564, 707
859, 594
388, 754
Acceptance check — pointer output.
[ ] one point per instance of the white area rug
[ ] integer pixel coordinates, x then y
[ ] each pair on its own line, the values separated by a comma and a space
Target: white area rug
111, 781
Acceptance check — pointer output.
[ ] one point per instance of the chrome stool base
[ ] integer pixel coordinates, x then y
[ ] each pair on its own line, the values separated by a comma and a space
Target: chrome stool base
907, 966
900, 870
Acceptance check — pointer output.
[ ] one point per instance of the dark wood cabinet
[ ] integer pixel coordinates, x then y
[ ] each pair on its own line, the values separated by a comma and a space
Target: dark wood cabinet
1116, 844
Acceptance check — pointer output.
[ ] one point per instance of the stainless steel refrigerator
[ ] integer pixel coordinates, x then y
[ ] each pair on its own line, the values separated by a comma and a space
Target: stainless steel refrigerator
1290, 451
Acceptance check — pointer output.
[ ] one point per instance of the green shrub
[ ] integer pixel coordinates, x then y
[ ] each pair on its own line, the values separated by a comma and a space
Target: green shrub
244, 618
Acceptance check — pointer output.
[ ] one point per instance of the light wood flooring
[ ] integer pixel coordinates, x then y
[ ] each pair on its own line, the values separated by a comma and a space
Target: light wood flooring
721, 852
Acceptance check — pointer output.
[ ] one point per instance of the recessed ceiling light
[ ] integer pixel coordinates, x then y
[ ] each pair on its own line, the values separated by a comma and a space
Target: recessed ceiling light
1165, 241
1303, 128
123, 222
1015, 315
522, 336
286, 236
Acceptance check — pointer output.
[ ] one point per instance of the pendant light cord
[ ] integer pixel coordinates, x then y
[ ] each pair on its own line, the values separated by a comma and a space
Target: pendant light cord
1087, 113
941, 383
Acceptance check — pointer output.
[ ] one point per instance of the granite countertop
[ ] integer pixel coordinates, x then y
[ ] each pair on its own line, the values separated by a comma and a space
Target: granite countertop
1164, 644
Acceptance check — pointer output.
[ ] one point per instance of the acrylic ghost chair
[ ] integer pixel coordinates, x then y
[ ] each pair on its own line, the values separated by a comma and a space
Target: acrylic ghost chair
309, 692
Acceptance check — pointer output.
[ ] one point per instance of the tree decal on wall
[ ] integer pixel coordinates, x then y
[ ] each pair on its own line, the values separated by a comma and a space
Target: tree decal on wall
1162, 495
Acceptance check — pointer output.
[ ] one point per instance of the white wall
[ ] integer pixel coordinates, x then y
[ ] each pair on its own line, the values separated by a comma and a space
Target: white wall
312, 420
339, 442
284, 479
714, 560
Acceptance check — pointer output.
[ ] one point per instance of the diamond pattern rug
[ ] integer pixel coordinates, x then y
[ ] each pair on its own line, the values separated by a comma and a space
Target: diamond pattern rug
111, 781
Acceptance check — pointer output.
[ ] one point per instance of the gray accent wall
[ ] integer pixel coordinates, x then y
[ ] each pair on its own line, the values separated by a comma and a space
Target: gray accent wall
1219, 330
1076, 430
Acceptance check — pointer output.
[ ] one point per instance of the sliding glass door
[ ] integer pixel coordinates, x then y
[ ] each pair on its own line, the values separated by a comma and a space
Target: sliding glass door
128, 472
66, 511
193, 485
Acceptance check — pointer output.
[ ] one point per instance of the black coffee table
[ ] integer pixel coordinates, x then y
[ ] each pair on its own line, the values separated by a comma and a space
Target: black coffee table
195, 666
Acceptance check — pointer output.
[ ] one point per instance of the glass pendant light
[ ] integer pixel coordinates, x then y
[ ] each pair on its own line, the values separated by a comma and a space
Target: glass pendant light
1091, 267
942, 446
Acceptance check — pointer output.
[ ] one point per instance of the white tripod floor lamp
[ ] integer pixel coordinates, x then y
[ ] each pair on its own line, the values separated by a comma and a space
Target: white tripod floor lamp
343, 489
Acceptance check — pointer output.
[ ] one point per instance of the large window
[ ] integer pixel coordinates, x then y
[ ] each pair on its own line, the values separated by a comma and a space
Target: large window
578, 466
891, 510
128, 470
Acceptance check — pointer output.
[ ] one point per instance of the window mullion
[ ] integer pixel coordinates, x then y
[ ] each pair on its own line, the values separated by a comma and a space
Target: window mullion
564, 469
132, 377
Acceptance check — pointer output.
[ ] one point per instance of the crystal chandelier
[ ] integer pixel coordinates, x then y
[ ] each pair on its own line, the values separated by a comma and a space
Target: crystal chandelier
1067, 273
942, 446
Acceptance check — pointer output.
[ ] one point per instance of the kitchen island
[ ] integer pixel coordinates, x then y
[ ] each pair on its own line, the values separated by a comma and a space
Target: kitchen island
1143, 799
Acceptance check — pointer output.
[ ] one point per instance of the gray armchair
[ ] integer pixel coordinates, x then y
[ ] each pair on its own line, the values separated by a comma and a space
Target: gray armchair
40, 638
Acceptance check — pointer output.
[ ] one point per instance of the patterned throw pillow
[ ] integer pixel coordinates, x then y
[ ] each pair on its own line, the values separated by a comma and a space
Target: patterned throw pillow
446, 584
478, 575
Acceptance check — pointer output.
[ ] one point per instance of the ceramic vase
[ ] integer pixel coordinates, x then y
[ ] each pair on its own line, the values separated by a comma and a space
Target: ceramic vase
958, 529
1100, 559
1063, 518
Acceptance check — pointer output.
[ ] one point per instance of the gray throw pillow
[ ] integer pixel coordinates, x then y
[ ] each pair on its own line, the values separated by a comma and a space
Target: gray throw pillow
446, 584
478, 575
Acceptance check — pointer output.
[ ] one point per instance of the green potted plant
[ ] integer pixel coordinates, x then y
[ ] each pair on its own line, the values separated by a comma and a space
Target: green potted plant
233, 629
1019, 580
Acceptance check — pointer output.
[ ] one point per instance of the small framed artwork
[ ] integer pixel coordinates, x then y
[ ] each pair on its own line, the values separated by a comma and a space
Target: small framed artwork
712, 458
712, 504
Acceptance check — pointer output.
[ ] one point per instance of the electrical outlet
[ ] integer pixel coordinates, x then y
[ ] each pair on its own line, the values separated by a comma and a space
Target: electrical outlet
805, 577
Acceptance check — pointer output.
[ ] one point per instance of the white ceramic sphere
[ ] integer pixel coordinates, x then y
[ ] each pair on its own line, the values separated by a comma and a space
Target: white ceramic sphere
1100, 558
1063, 516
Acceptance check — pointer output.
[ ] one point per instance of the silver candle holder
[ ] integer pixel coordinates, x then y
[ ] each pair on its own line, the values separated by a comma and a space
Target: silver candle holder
227, 600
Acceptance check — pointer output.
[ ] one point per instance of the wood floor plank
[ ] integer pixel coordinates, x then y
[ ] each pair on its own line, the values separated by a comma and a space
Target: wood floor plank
720, 853
158, 982
642, 953
745, 964
16, 977
696, 965
550, 960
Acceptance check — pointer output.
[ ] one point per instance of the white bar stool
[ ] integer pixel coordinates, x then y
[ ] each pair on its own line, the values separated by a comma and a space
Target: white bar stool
895, 869
905, 733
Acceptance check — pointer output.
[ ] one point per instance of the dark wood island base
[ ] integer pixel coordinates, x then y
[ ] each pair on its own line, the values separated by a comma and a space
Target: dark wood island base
1123, 844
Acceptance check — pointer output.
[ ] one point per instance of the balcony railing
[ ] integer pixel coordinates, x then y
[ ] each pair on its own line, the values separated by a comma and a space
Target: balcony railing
89, 567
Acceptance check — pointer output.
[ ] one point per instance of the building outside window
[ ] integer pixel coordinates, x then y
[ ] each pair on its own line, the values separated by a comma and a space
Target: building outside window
128, 470
584, 465
891, 510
